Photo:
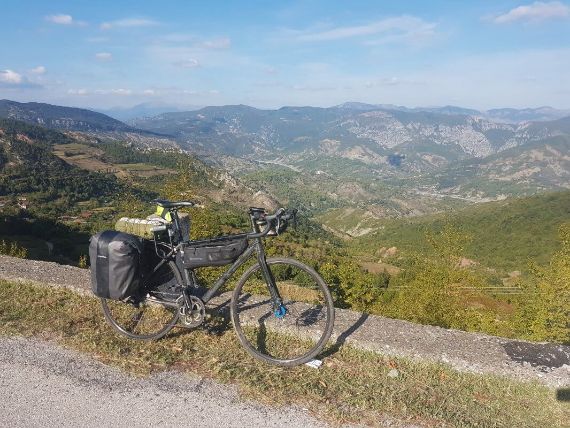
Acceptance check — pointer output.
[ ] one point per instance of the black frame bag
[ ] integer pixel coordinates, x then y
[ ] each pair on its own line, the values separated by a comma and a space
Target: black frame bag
116, 269
212, 253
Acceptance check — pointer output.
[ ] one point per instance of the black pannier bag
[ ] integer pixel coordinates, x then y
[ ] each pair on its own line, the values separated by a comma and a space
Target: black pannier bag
115, 264
212, 253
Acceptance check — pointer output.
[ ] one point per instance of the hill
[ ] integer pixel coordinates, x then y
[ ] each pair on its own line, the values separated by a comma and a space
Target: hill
72, 119
535, 166
63, 118
29, 168
504, 234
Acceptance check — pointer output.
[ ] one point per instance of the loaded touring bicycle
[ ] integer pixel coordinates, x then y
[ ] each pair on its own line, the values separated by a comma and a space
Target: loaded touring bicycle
281, 309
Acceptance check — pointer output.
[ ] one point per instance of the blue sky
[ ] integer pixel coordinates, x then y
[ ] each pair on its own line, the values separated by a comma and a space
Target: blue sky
104, 54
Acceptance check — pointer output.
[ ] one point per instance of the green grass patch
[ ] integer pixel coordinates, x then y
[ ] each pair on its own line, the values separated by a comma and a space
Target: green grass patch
352, 386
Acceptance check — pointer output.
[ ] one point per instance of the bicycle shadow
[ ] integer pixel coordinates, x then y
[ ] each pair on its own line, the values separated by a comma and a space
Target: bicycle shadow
563, 394
341, 338
219, 322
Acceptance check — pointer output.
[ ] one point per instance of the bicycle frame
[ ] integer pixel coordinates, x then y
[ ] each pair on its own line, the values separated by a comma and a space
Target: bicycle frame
255, 246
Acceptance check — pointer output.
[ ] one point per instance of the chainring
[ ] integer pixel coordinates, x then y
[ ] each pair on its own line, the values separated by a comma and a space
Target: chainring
194, 315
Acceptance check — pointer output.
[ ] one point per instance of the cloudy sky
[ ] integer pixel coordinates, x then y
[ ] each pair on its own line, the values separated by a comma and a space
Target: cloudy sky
104, 54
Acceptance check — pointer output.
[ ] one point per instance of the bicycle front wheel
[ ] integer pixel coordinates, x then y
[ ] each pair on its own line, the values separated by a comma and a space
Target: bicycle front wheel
293, 333
148, 318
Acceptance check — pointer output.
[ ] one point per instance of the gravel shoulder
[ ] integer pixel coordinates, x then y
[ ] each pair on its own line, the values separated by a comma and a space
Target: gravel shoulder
42, 385
473, 352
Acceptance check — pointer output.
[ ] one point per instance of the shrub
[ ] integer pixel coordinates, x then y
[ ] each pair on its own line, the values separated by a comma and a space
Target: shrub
13, 249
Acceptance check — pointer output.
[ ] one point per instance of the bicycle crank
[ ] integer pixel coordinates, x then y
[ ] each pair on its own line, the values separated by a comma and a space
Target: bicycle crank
194, 314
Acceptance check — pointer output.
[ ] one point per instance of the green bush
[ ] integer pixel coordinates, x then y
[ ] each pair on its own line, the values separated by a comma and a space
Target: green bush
13, 249
545, 312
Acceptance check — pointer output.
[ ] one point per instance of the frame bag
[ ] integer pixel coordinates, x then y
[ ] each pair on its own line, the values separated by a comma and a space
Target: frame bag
115, 264
213, 253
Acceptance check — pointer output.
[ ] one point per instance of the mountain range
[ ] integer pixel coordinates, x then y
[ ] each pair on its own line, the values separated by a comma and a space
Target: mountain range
351, 153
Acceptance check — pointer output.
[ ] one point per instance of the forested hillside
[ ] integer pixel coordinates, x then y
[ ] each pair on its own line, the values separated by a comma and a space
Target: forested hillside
505, 234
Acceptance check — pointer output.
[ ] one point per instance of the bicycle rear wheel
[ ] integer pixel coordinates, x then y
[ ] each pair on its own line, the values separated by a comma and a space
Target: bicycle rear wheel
150, 317
293, 333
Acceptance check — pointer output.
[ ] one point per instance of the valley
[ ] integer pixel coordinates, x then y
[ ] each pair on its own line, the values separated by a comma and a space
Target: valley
391, 200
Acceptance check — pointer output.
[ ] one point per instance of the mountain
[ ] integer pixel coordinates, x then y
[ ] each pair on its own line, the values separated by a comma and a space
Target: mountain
145, 110
535, 166
73, 119
511, 115
418, 140
502, 115
63, 118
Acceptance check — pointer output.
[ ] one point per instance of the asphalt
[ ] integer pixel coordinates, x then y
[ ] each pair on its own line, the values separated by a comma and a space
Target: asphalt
43, 385
472, 352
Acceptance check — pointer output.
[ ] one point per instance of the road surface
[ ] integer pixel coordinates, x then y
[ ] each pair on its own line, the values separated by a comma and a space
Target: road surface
43, 385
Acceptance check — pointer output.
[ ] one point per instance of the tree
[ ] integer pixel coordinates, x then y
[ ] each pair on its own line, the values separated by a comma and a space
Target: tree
545, 311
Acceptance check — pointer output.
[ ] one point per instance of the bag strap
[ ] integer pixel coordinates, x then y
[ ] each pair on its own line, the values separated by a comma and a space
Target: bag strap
102, 271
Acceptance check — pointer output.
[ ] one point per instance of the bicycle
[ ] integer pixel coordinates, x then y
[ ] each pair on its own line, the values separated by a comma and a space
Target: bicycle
281, 309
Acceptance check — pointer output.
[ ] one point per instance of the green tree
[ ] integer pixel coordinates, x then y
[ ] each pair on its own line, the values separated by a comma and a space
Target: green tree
544, 313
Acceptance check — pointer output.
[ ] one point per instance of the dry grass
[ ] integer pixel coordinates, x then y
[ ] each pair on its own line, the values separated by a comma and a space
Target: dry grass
352, 386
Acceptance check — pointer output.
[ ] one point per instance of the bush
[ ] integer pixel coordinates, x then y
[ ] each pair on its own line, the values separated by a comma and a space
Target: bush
13, 249
545, 312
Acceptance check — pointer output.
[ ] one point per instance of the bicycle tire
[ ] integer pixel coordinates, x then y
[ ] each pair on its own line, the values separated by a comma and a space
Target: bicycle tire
119, 326
295, 307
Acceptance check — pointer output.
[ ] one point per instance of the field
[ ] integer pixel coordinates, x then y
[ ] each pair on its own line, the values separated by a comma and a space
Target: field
93, 159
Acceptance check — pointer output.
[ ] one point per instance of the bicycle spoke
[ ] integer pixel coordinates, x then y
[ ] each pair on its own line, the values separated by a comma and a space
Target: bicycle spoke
299, 327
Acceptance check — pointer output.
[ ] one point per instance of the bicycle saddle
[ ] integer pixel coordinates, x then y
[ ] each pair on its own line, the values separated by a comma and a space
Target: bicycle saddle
169, 204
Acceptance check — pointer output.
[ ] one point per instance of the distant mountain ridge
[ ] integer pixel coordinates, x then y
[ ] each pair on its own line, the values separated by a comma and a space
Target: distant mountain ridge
63, 118
74, 119
505, 115
357, 131
125, 114
438, 151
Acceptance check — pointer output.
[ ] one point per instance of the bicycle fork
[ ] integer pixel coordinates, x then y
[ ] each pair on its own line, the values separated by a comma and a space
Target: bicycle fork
279, 309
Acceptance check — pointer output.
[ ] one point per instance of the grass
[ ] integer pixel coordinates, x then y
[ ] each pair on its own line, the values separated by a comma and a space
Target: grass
352, 386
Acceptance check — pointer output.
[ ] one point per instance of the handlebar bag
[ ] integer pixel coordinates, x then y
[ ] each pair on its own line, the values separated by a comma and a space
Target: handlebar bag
212, 253
115, 264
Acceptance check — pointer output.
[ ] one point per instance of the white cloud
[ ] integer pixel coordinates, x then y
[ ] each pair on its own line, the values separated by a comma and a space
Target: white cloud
64, 19
395, 29
220, 43
537, 11
120, 91
10, 77
40, 69
103, 56
128, 23
187, 63
78, 92
60, 19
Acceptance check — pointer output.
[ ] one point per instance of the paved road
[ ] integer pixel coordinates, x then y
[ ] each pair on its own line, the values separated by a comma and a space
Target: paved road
44, 385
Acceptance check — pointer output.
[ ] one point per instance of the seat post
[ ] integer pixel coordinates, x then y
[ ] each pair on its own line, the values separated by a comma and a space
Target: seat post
174, 213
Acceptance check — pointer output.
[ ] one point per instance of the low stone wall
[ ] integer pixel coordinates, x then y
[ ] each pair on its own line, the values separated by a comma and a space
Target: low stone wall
472, 352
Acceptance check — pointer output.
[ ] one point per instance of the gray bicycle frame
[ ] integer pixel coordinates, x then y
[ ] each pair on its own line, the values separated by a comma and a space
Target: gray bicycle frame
256, 246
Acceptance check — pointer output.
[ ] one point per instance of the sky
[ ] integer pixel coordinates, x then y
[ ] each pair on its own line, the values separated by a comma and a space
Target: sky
107, 54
